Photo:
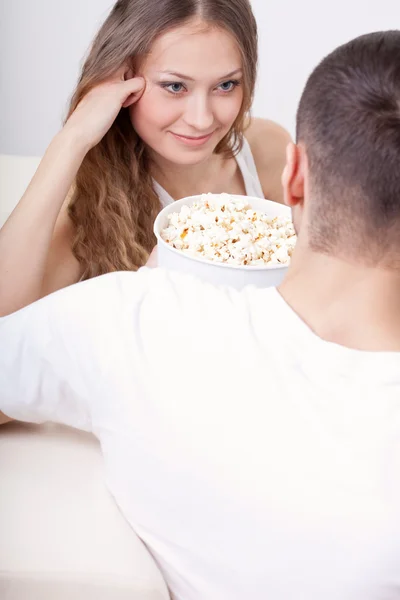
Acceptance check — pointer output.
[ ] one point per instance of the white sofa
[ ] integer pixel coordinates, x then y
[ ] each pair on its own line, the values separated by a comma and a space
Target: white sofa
15, 174
61, 535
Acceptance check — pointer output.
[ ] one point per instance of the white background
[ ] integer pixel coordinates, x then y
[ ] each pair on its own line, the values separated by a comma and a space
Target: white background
42, 43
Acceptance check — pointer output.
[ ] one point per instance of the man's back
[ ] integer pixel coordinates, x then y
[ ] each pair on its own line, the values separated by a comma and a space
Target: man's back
254, 459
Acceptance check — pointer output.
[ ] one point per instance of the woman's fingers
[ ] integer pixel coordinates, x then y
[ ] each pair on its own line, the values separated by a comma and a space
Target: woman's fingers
133, 89
97, 111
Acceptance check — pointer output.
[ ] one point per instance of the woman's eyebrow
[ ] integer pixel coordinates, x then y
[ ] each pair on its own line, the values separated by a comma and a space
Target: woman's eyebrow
181, 76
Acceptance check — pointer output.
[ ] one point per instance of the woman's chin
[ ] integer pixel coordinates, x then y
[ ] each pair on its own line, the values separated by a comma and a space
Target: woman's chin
187, 156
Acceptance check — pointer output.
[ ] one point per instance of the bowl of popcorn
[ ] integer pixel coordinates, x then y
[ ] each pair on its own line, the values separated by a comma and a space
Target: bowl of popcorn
226, 240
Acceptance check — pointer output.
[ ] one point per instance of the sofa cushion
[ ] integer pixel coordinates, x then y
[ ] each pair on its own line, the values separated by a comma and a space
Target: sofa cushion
61, 534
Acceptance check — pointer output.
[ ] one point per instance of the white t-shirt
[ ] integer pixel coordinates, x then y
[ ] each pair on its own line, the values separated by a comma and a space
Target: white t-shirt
255, 460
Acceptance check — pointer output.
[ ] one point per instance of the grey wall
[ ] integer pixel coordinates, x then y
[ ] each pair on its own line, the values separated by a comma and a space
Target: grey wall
42, 43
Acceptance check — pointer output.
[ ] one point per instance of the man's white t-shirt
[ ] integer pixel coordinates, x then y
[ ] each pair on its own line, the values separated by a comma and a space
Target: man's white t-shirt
255, 460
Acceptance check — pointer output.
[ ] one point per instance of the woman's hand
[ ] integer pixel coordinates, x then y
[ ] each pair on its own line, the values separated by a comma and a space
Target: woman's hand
97, 111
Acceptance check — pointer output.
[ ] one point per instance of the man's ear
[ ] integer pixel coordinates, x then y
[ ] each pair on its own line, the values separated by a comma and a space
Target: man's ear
293, 176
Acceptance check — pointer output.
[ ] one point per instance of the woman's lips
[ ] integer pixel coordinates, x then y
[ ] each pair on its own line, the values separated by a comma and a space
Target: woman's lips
192, 141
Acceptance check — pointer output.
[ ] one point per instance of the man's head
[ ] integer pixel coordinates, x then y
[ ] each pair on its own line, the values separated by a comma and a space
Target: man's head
343, 177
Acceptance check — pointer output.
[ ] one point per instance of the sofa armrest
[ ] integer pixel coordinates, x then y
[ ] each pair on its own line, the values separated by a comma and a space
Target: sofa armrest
15, 175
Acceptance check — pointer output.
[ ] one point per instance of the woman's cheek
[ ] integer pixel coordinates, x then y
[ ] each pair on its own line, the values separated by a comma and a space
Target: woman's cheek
141, 110
227, 114
229, 108
154, 109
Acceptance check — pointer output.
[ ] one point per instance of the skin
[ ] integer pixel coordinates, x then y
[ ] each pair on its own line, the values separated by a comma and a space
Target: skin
4, 419
205, 101
339, 297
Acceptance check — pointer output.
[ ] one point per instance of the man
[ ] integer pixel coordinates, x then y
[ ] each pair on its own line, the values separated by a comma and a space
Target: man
253, 439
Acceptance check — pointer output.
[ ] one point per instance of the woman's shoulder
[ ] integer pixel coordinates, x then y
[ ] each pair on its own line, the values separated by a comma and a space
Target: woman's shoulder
268, 141
260, 131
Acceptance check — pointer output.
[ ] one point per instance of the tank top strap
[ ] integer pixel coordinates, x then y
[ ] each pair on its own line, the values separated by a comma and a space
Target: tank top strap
248, 168
162, 194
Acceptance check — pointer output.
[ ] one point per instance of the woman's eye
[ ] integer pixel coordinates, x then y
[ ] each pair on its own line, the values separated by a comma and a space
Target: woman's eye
175, 88
228, 86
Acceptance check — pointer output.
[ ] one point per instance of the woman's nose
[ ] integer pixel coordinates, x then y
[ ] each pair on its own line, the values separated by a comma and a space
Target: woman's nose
199, 114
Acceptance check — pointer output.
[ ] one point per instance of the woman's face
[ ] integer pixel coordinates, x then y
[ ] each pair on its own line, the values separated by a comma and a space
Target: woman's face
193, 93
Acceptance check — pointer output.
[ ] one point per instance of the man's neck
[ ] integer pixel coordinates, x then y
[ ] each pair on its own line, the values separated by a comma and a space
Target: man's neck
345, 303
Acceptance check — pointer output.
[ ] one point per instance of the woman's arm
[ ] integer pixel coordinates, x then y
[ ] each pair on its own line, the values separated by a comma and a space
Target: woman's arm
26, 236
268, 142
33, 230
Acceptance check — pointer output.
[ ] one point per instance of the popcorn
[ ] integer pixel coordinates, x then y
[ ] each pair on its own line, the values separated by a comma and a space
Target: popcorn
223, 228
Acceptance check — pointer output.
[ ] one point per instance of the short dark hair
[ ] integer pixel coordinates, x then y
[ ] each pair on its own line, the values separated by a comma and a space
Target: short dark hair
349, 123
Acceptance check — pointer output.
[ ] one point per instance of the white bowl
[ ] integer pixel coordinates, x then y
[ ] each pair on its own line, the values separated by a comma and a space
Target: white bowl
236, 276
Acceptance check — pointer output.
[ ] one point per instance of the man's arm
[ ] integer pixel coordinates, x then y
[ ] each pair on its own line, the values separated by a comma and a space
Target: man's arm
46, 359
56, 354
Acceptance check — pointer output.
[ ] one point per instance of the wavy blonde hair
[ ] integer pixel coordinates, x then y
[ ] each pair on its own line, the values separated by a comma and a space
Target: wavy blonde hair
114, 205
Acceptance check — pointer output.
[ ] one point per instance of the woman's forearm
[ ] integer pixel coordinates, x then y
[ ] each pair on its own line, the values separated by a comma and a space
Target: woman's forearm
26, 236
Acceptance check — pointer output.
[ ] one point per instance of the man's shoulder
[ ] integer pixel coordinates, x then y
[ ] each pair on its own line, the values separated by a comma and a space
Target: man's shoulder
158, 289
157, 301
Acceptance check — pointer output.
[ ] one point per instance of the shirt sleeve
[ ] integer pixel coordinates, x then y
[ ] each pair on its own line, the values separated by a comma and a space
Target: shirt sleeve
87, 354
53, 352
37, 378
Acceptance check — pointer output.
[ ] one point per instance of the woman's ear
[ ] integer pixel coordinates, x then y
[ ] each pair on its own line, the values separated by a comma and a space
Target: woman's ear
129, 74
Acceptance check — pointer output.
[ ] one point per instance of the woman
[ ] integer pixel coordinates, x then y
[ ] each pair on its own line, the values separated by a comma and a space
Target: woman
159, 113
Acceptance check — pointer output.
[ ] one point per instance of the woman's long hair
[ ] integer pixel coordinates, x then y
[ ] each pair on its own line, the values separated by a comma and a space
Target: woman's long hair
113, 205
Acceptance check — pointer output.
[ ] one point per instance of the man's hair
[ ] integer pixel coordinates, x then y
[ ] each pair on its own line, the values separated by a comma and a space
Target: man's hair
349, 123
